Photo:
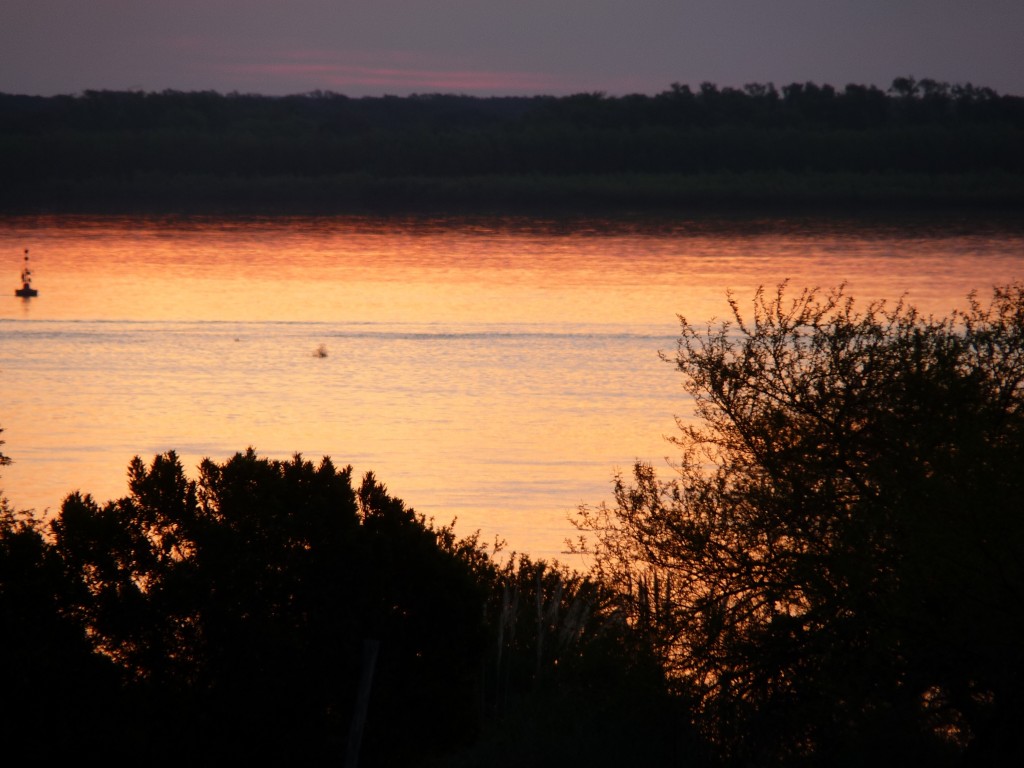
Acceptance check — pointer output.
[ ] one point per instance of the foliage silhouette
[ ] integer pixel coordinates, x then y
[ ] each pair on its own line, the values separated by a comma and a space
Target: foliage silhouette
836, 572
239, 603
57, 694
226, 618
568, 681
47, 668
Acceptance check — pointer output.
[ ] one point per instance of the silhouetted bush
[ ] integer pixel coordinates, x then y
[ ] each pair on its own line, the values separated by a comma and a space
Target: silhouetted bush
837, 571
238, 617
569, 682
237, 606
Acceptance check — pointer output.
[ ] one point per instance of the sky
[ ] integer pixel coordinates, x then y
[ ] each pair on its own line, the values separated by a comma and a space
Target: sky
501, 47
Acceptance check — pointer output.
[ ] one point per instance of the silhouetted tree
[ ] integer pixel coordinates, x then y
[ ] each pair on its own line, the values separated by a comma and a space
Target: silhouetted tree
54, 692
838, 569
227, 617
237, 607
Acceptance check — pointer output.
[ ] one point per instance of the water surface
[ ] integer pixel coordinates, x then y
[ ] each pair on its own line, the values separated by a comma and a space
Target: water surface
494, 370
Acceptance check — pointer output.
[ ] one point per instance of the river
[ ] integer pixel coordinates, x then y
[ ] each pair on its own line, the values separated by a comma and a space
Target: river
494, 370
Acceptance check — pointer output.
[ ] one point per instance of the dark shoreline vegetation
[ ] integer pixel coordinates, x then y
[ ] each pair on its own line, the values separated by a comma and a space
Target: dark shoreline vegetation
834, 577
919, 145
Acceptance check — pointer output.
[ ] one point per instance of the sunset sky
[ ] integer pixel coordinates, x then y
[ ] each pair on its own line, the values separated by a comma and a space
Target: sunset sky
479, 47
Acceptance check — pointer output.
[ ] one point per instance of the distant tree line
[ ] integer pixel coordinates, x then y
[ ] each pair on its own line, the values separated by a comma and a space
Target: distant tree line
106, 137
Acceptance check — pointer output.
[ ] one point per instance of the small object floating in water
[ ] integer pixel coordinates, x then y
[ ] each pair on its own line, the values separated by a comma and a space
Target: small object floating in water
26, 291
321, 351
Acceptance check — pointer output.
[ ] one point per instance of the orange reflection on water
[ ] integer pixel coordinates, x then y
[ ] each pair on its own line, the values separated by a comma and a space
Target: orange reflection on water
499, 370
490, 270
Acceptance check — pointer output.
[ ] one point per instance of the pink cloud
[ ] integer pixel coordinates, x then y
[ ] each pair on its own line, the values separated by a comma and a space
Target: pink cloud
326, 70
410, 78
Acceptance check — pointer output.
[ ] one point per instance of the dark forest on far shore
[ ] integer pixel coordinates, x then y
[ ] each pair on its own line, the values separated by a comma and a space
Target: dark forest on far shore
918, 143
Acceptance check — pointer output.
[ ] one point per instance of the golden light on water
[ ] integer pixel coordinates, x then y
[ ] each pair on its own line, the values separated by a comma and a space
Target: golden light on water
503, 270
498, 370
